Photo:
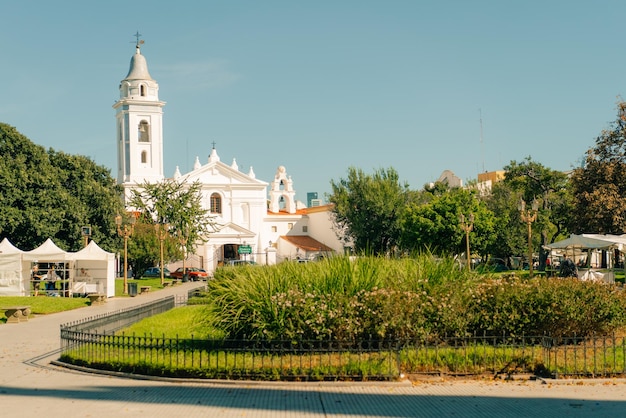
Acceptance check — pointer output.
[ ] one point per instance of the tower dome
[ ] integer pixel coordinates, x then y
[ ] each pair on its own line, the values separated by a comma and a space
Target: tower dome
138, 67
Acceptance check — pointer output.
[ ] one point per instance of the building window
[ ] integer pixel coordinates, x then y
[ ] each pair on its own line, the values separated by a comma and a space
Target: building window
305, 228
144, 157
143, 90
274, 228
216, 203
289, 226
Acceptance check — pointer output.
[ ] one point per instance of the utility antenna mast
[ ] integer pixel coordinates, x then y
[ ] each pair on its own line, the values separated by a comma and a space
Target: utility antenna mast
482, 147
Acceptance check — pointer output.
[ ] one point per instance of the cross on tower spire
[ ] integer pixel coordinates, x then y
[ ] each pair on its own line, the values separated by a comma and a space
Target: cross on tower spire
138, 42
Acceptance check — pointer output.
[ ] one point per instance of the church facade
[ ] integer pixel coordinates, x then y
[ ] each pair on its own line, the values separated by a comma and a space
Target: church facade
254, 224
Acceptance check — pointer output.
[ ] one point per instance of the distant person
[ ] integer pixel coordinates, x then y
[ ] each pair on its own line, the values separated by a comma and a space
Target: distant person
568, 269
36, 278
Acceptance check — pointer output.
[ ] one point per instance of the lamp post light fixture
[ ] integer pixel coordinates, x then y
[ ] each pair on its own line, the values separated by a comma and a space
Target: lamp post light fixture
529, 216
85, 231
125, 231
467, 227
162, 233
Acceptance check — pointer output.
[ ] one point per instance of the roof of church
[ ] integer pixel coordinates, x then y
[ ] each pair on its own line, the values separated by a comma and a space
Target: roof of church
306, 243
284, 212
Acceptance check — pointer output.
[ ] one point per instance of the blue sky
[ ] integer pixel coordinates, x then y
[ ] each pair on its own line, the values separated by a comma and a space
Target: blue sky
320, 86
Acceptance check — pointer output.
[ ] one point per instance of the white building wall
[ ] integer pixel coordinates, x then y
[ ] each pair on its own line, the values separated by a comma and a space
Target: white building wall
321, 227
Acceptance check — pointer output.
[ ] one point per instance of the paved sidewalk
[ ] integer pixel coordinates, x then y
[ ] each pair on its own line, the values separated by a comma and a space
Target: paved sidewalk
31, 387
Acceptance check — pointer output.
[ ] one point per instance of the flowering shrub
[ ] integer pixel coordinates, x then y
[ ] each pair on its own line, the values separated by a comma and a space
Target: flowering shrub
556, 307
345, 300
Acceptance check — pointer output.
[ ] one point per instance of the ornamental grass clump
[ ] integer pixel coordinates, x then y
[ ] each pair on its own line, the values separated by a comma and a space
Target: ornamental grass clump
341, 298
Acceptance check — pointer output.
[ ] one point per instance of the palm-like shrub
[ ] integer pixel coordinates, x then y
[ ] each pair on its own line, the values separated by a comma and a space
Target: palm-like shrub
420, 298
342, 299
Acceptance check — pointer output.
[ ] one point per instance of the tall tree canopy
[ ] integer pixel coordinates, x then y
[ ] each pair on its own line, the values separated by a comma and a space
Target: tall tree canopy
433, 222
599, 187
367, 207
530, 180
172, 203
50, 194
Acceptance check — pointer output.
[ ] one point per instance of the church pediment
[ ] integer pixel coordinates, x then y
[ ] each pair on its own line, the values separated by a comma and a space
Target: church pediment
218, 173
232, 230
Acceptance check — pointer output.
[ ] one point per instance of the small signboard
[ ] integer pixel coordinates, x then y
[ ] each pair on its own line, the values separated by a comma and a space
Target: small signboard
244, 249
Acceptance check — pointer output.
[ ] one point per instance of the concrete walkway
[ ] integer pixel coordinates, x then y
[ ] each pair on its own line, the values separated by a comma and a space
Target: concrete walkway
31, 387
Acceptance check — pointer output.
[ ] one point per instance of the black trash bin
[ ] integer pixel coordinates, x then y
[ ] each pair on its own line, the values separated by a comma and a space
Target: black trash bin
185, 277
132, 289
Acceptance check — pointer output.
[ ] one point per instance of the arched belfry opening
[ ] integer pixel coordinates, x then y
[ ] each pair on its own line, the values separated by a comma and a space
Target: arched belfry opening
144, 131
282, 195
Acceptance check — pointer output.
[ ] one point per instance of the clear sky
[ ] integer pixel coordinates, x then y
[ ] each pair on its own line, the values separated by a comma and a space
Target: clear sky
319, 86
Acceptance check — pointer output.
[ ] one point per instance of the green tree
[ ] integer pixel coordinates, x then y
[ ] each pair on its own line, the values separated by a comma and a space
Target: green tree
50, 194
367, 207
531, 180
433, 222
173, 203
507, 238
599, 186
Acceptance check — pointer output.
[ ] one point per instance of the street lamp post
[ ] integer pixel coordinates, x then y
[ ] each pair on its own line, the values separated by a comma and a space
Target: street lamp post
182, 238
125, 231
161, 235
529, 216
467, 227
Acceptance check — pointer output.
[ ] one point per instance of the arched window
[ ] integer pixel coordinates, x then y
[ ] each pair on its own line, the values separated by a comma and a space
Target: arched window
216, 203
144, 131
142, 90
144, 157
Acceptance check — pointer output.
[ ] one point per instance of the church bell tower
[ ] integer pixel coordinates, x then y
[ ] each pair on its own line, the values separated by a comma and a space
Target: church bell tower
139, 115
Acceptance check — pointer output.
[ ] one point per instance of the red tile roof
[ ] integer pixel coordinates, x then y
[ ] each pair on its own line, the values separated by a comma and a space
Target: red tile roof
306, 243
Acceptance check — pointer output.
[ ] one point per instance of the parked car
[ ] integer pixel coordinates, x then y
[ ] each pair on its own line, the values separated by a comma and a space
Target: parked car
240, 263
193, 274
156, 272
494, 265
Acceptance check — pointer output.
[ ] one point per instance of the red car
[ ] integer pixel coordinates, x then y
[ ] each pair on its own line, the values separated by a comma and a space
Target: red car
193, 273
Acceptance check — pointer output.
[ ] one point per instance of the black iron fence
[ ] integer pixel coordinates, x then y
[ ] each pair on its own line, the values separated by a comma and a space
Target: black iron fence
92, 343
113, 321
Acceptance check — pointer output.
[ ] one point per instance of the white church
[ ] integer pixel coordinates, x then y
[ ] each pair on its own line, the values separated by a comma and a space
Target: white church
265, 228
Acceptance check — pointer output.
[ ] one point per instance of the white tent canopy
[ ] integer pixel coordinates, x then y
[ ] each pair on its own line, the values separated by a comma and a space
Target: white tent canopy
93, 265
11, 266
98, 267
48, 251
593, 244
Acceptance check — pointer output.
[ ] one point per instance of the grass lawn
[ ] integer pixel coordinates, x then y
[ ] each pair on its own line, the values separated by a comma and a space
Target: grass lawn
182, 322
42, 305
153, 282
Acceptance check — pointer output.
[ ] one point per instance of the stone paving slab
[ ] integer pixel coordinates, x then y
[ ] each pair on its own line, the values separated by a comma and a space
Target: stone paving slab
31, 387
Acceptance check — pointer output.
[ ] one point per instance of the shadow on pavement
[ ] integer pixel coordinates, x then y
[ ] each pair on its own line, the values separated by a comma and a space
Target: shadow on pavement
379, 401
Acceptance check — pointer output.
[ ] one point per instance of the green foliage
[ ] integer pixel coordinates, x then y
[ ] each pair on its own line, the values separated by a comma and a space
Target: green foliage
183, 322
49, 194
555, 307
434, 223
599, 187
530, 180
177, 208
340, 298
367, 209
423, 298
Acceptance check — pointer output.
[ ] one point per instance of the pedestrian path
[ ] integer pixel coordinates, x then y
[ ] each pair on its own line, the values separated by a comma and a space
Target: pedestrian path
31, 387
